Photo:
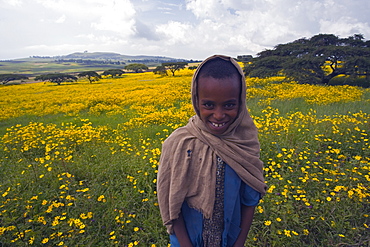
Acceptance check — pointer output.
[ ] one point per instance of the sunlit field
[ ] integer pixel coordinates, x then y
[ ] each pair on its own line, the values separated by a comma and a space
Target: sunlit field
78, 161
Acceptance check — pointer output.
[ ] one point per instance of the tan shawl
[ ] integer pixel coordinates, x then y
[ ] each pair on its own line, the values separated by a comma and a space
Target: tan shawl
187, 169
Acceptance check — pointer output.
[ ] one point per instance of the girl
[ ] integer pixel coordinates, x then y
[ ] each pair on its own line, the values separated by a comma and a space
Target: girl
210, 176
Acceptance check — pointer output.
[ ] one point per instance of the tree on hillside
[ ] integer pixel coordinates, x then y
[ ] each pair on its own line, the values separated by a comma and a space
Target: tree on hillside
90, 75
56, 78
5, 78
137, 67
113, 72
316, 60
174, 66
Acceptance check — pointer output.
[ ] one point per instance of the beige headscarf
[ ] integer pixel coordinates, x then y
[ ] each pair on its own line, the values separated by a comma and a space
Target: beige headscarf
187, 169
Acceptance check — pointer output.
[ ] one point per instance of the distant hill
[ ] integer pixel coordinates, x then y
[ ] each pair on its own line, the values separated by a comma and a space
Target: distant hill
106, 56
78, 62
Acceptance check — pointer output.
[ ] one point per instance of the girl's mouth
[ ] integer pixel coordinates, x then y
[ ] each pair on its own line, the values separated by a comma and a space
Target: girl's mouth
217, 125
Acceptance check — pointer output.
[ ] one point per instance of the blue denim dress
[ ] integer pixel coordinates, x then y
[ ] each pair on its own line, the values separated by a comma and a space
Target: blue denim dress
236, 193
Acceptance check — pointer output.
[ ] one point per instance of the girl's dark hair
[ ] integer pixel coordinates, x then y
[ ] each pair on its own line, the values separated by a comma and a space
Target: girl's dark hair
218, 68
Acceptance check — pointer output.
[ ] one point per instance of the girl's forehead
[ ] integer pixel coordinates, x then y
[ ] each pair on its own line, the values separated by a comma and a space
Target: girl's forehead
225, 89
220, 83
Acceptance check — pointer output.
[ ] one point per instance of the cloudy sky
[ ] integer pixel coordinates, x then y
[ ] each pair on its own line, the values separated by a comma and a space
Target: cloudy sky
192, 29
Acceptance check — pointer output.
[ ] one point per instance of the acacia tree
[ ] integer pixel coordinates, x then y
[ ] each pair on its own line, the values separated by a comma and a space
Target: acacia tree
5, 78
113, 72
160, 70
137, 67
90, 75
174, 66
56, 78
316, 60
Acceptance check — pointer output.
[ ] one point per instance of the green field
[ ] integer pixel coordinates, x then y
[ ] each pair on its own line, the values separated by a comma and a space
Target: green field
32, 67
78, 161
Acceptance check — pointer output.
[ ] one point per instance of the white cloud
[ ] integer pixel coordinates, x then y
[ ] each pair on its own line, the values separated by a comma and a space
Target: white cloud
107, 15
265, 23
117, 16
61, 19
185, 28
175, 32
15, 3
345, 26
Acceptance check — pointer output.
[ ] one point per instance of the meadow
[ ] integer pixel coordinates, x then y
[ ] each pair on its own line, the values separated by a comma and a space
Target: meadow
78, 161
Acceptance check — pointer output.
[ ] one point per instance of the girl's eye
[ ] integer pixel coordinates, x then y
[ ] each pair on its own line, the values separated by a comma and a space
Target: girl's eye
229, 106
208, 105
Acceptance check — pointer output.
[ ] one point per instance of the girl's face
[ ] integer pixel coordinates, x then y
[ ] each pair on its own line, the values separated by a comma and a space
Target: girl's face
218, 102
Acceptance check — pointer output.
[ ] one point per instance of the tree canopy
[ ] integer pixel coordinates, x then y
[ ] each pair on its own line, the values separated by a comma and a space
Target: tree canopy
5, 78
90, 75
136, 67
174, 66
56, 78
160, 70
113, 72
316, 60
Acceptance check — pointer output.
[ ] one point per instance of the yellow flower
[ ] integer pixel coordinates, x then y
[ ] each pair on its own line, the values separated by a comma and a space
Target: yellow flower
136, 229
31, 240
287, 233
101, 198
45, 240
267, 222
357, 157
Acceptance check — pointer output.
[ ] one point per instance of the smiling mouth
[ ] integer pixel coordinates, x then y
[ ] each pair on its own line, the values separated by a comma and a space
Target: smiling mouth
218, 125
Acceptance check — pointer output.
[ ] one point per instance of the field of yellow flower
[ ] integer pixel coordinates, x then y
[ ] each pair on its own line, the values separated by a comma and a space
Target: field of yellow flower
78, 161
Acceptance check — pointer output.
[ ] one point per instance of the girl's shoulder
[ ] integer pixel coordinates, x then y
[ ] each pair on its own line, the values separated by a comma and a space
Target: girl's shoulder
178, 135
178, 140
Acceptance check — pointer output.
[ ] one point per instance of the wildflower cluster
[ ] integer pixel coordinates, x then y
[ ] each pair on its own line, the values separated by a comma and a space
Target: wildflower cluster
315, 165
312, 94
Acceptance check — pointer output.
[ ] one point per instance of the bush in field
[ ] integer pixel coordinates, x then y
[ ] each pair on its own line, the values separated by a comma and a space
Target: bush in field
57, 78
5, 78
136, 67
90, 75
160, 70
113, 72
174, 66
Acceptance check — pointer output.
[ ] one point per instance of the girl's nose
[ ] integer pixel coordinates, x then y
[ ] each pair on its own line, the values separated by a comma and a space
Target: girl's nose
218, 114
